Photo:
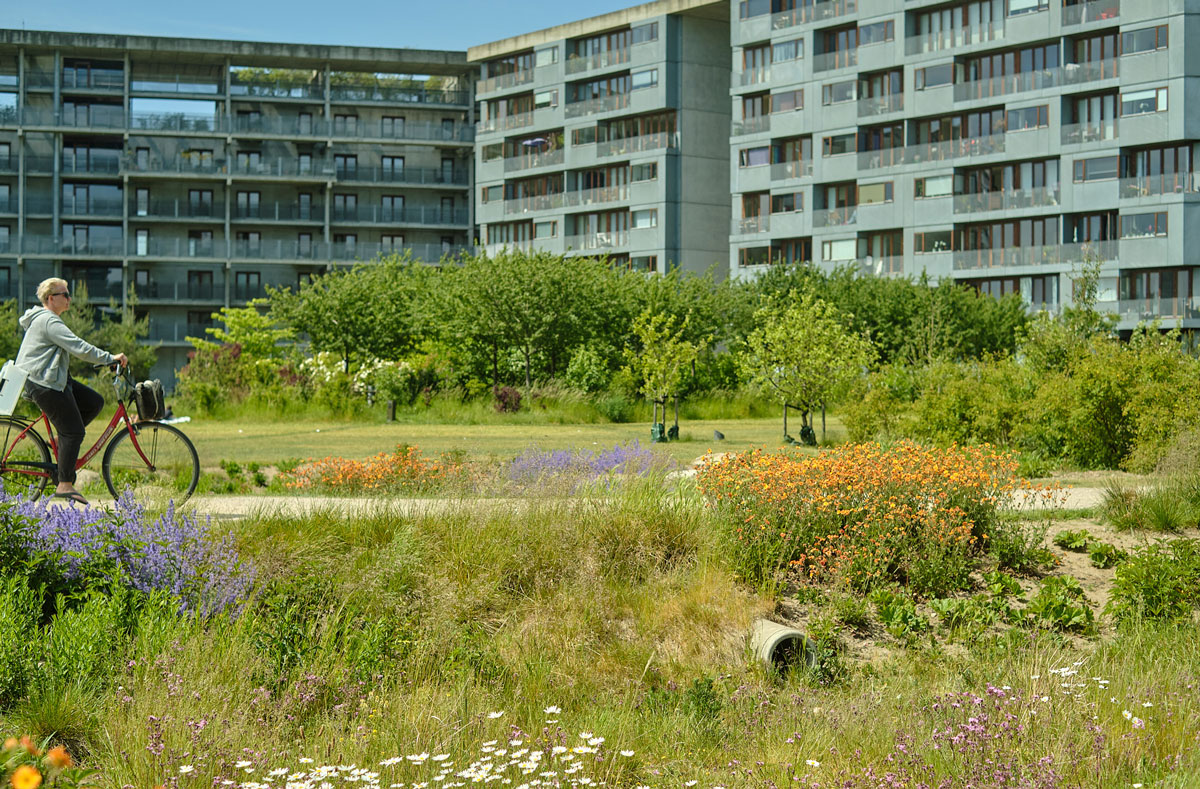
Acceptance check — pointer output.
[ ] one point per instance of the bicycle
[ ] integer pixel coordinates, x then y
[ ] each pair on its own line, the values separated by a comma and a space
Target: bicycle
156, 461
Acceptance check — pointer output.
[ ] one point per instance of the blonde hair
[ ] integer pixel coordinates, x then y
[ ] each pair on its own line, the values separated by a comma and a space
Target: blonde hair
48, 286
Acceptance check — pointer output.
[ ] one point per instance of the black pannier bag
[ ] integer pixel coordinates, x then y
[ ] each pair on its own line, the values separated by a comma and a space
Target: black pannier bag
148, 397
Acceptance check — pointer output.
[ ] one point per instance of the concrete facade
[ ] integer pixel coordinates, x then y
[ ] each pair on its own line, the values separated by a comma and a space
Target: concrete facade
193, 174
998, 142
608, 136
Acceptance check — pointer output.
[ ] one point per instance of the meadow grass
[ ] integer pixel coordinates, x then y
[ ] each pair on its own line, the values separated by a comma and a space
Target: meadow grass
378, 635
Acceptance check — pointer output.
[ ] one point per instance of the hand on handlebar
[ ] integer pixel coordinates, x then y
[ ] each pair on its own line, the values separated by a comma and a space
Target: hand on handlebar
122, 359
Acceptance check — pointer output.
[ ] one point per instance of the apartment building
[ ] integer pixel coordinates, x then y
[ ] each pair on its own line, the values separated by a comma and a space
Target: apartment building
609, 136
998, 142
193, 174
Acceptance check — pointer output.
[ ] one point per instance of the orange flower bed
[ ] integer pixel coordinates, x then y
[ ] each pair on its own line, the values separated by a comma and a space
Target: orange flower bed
858, 512
402, 470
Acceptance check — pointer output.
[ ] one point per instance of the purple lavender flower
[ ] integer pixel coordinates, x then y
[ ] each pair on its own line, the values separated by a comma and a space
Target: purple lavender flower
536, 465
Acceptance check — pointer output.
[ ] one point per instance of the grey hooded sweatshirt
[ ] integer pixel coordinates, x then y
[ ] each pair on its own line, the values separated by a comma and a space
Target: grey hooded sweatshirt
44, 351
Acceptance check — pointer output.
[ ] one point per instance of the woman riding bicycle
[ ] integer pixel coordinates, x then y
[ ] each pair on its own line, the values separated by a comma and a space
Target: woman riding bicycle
44, 357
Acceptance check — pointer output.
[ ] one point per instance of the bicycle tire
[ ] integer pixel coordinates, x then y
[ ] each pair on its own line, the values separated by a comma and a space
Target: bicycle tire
174, 471
20, 443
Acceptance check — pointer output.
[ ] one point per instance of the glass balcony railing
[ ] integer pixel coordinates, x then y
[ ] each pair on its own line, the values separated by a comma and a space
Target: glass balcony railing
1033, 255
638, 144
1092, 71
104, 164
1161, 184
269, 89
71, 245
754, 125
174, 84
1006, 84
1096, 11
831, 9
782, 171
608, 239
531, 160
151, 246
931, 152
93, 208
416, 215
577, 64
501, 81
751, 76
615, 101
1089, 132
1006, 200
597, 196
523, 205
880, 105
834, 217
406, 175
750, 225
280, 212
177, 121
939, 40
399, 94
828, 61
181, 291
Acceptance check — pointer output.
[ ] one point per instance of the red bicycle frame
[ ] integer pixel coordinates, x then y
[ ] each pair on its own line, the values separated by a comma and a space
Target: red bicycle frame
120, 415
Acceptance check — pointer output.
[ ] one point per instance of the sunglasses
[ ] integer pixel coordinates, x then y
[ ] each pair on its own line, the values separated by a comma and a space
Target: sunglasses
64, 293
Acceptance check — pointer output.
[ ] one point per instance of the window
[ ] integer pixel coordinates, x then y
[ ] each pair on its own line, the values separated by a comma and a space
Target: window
392, 208
846, 249
493, 193
200, 202
1143, 225
754, 157
346, 242
643, 172
246, 285
838, 92
647, 217
304, 163
545, 98
304, 244
392, 126
393, 168
249, 243
345, 207
141, 195
142, 238
933, 186
345, 165
787, 101
545, 229
248, 203
200, 284
787, 203
492, 151
875, 193
1140, 102
391, 242
839, 144
876, 33
933, 76
1028, 118
247, 161
1101, 168
304, 205
644, 33
932, 241
1147, 39
200, 243
345, 124
782, 51
648, 263
1016, 7
584, 136
547, 56
644, 79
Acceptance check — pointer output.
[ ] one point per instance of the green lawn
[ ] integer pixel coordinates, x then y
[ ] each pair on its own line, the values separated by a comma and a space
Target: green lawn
269, 442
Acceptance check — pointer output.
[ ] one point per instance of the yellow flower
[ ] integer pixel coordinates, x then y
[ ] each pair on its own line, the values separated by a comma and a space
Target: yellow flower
26, 777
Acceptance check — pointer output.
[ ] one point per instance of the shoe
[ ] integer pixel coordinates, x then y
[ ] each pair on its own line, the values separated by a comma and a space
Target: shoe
74, 496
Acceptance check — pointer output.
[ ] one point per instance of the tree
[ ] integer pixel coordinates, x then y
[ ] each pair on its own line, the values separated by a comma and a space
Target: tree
255, 332
665, 355
803, 354
10, 339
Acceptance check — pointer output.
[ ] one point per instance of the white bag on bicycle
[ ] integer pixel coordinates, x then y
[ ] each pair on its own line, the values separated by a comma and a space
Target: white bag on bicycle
12, 383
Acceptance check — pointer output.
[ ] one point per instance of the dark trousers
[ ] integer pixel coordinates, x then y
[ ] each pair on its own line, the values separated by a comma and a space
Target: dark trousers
69, 410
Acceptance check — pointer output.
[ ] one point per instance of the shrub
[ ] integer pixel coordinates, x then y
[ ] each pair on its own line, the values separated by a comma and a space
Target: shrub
20, 609
508, 399
615, 407
1017, 546
898, 614
862, 513
1073, 540
1105, 555
1060, 605
1159, 582
588, 370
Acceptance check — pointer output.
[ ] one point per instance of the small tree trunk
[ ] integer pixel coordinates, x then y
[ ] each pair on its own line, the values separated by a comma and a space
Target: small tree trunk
526, 352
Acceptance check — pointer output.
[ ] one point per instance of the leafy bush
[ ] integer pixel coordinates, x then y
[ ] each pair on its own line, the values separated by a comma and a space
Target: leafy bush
1105, 555
589, 370
1158, 582
1017, 546
1073, 540
898, 614
1061, 605
508, 399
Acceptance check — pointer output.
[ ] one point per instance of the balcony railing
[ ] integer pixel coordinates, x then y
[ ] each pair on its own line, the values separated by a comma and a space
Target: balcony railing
1091, 71
502, 81
827, 61
931, 152
522, 205
431, 176
42, 245
93, 79
213, 249
279, 249
398, 94
80, 119
520, 120
782, 171
880, 105
602, 240
602, 194
824, 10
613, 57
972, 259
1096, 11
280, 212
1006, 200
750, 225
1006, 84
1090, 132
953, 39
417, 215
271, 89
833, 217
90, 164
93, 208
1162, 184
751, 76
614, 101
282, 167
642, 142
754, 125
175, 84
181, 291
530, 160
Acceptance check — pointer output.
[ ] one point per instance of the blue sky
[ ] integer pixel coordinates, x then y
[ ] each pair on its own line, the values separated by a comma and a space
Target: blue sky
439, 24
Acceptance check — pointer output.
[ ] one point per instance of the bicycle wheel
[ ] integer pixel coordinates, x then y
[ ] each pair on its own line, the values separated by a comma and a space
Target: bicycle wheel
25, 460
160, 465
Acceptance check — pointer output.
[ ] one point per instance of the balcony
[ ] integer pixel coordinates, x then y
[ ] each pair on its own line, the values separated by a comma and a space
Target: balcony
520, 120
931, 152
207, 292
1006, 84
754, 125
1096, 11
399, 94
835, 217
782, 171
177, 209
385, 215
953, 39
1006, 200
613, 57
9, 204
279, 249
502, 81
638, 144
76, 247
287, 168
413, 176
751, 225
1019, 257
1162, 184
177, 122
1091, 71
523, 205
830, 9
828, 61
1073, 133
177, 84
276, 89
603, 194
614, 101
177, 248
531, 160
178, 165
603, 240
428, 131
880, 105
93, 79
93, 208
751, 76
93, 165
79, 119
280, 212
